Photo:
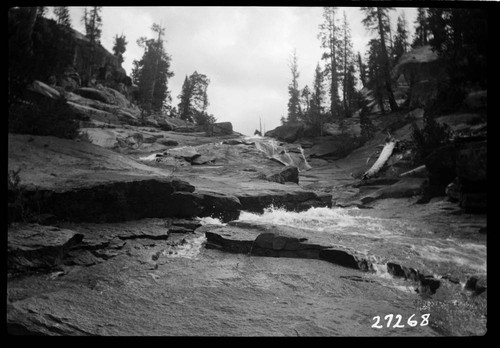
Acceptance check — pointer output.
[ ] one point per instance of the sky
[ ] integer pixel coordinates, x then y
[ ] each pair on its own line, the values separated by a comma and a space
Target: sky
244, 51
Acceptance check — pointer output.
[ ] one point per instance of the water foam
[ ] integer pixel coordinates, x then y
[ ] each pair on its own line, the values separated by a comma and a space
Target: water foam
338, 220
151, 157
189, 250
208, 220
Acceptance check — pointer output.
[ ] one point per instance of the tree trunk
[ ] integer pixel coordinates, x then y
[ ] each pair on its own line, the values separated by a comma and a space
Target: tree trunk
387, 74
361, 71
382, 159
344, 94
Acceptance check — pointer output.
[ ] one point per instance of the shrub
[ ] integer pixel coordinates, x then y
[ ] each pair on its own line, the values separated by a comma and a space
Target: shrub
44, 117
432, 136
21, 207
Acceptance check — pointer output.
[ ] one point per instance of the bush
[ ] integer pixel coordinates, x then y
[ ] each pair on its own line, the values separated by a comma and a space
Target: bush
432, 136
21, 207
44, 117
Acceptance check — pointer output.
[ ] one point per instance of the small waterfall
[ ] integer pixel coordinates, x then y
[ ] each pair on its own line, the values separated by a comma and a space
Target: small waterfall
272, 149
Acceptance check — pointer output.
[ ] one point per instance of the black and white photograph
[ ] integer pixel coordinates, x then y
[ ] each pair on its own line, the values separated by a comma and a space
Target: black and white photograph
297, 170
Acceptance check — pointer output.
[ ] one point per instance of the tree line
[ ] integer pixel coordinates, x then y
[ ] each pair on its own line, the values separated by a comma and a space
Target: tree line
44, 48
458, 35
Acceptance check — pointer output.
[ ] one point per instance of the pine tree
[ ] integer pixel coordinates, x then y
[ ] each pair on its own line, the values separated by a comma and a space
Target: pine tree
120, 46
421, 28
93, 22
62, 16
199, 85
152, 72
316, 111
375, 75
346, 59
329, 41
41, 11
377, 18
305, 101
351, 91
401, 39
362, 70
184, 107
460, 36
293, 90
194, 99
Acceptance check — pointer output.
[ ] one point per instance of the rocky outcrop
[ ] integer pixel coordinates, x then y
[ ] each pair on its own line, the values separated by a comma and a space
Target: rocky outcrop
427, 284
188, 153
43, 89
294, 201
289, 155
280, 244
372, 191
287, 174
35, 247
220, 128
132, 200
287, 132
459, 170
332, 147
422, 71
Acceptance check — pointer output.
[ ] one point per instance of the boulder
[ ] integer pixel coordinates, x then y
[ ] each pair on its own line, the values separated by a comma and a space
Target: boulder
220, 206
404, 188
287, 174
233, 142
68, 83
167, 142
221, 128
93, 93
187, 152
288, 132
116, 98
423, 71
453, 190
203, 159
44, 89
332, 146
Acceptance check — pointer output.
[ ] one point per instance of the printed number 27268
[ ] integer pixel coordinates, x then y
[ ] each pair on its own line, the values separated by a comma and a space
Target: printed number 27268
389, 317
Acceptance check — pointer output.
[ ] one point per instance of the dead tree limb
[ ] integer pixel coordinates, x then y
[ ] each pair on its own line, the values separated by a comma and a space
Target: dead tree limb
384, 156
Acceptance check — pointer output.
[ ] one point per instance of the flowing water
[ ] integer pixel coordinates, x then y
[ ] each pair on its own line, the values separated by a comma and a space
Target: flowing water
269, 296
293, 156
362, 296
382, 239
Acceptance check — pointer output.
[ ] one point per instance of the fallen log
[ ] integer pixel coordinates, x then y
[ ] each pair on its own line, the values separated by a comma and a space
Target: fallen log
416, 171
382, 158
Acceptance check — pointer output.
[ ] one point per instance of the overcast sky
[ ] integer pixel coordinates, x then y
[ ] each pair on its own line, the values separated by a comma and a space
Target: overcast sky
244, 51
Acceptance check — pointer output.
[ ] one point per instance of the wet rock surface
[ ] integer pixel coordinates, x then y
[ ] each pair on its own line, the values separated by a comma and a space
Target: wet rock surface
146, 289
122, 247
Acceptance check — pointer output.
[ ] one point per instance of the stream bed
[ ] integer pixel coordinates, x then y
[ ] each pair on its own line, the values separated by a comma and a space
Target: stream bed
154, 287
